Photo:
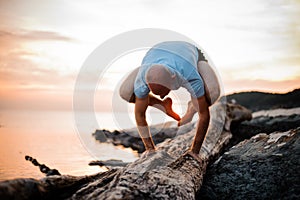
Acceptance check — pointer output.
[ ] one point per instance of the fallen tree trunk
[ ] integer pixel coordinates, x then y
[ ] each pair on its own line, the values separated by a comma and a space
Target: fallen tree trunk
166, 174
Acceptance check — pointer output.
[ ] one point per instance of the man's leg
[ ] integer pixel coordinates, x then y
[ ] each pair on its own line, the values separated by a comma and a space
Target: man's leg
209, 77
211, 82
127, 87
188, 117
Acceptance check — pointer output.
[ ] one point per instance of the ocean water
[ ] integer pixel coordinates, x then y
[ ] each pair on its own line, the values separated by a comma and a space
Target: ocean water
53, 139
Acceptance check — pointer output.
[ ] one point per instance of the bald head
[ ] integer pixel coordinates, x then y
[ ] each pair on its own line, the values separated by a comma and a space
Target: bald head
159, 74
159, 80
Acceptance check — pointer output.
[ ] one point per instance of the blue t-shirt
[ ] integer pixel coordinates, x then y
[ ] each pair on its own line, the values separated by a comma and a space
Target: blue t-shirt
181, 59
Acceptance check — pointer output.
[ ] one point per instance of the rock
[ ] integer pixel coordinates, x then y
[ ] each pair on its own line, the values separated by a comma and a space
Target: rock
263, 167
100, 135
43, 168
261, 124
109, 163
236, 114
130, 137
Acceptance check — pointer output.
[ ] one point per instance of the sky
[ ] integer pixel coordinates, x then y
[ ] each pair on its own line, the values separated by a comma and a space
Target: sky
254, 44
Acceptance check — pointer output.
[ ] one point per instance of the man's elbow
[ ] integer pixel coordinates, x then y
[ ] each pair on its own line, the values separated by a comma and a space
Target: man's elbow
140, 118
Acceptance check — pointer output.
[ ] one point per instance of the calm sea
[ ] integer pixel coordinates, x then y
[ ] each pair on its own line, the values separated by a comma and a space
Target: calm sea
52, 138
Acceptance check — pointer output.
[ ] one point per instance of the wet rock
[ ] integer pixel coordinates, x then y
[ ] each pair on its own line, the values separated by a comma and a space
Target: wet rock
43, 168
130, 137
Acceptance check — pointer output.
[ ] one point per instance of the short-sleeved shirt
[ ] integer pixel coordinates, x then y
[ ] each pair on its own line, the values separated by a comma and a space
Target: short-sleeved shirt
181, 59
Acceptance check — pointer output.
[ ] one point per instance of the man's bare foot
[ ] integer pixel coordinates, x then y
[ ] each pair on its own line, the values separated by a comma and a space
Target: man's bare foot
169, 111
188, 117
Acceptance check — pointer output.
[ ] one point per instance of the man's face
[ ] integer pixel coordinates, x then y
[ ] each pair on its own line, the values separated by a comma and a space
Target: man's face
159, 90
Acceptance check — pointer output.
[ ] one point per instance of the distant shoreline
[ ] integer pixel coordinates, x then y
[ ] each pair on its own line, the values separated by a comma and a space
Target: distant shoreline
256, 101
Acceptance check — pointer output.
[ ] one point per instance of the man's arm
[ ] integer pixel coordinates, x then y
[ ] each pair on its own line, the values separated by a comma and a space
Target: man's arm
140, 117
201, 105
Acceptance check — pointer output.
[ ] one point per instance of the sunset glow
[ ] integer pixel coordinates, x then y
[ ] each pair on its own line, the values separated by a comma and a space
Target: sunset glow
254, 44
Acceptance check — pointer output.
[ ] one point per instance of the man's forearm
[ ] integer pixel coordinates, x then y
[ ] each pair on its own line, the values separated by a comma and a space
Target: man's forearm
202, 127
144, 132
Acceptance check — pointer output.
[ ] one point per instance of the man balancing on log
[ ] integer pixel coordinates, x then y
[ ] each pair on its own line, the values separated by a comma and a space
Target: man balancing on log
168, 66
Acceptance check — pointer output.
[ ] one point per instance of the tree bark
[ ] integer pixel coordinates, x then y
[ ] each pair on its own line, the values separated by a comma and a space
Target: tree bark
166, 174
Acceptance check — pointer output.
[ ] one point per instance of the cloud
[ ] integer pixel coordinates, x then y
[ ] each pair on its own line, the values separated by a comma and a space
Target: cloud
17, 60
292, 30
14, 41
27, 79
33, 35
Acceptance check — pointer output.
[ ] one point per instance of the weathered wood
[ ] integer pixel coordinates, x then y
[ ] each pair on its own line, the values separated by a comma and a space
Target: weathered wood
166, 174
50, 187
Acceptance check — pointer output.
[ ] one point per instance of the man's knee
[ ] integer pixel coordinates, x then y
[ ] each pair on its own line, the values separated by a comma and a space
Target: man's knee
124, 94
211, 82
126, 90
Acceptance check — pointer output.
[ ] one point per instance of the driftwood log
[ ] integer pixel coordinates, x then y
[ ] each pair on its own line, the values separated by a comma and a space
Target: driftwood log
166, 174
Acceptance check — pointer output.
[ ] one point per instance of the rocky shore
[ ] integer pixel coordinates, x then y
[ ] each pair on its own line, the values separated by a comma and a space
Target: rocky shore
254, 158
261, 160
